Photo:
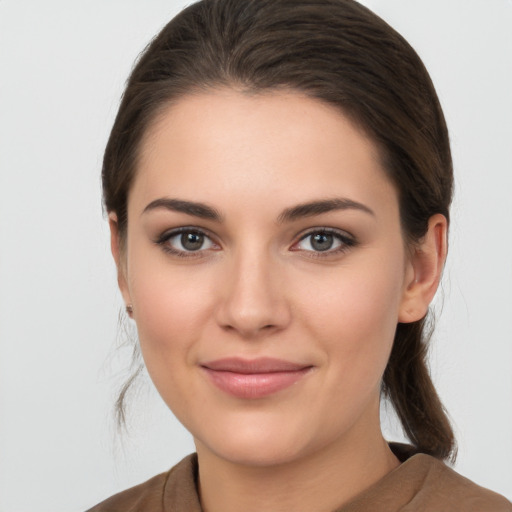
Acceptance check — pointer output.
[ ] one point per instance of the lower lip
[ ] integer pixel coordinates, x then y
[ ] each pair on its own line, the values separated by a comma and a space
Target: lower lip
254, 385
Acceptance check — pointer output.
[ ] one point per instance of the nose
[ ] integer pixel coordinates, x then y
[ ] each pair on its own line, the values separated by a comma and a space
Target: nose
253, 301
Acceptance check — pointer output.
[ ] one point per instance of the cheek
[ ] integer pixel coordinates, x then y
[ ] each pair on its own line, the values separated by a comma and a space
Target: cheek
171, 307
170, 311
353, 314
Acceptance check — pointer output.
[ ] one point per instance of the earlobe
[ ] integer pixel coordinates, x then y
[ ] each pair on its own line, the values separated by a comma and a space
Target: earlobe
424, 271
117, 253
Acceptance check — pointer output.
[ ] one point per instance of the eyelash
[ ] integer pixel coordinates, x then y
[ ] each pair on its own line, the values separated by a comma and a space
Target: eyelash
346, 242
164, 238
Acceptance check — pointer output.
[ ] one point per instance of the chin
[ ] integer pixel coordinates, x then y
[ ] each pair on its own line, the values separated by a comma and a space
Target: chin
259, 455
254, 444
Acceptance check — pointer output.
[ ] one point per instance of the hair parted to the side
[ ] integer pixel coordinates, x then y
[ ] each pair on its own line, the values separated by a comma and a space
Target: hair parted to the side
340, 53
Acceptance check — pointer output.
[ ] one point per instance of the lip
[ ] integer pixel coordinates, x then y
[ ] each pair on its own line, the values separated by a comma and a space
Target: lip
254, 378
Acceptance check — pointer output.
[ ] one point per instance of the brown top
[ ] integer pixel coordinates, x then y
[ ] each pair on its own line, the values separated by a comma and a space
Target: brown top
420, 484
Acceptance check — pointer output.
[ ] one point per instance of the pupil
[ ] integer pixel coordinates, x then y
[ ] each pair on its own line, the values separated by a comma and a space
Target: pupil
192, 241
322, 242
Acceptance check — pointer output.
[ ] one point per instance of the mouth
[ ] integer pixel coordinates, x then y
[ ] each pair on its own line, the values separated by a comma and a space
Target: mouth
254, 378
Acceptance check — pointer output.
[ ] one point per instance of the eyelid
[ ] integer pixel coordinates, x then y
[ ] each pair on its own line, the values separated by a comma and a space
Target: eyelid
347, 241
169, 233
164, 237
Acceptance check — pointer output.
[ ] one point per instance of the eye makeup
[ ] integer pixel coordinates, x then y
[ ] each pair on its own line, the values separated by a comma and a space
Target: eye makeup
194, 242
186, 242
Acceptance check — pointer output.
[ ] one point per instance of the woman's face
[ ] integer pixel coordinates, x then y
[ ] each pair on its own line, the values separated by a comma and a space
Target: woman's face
267, 271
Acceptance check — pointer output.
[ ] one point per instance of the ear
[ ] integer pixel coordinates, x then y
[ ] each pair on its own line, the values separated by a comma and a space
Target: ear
119, 257
424, 271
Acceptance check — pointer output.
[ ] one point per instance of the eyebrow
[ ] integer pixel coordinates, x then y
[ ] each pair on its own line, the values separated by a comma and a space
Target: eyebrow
189, 207
309, 209
322, 206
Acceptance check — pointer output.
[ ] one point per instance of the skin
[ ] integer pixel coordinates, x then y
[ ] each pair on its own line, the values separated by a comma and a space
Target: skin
257, 287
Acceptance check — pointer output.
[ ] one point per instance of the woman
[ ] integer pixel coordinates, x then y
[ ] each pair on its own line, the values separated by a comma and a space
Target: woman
278, 182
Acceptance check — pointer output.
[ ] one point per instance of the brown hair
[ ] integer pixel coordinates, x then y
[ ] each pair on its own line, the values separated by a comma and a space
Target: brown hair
338, 52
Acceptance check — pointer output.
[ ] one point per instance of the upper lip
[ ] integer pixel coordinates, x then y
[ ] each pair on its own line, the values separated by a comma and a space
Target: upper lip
249, 366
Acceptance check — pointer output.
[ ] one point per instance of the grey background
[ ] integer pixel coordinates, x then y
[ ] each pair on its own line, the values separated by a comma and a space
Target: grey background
62, 68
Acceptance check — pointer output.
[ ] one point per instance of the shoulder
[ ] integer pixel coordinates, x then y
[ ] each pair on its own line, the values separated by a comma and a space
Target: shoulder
443, 487
145, 496
424, 483
155, 493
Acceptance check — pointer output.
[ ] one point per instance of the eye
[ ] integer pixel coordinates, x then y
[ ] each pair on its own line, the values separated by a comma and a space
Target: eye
325, 240
185, 242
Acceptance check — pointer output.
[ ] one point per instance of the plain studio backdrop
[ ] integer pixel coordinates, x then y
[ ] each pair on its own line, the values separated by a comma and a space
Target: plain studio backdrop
62, 69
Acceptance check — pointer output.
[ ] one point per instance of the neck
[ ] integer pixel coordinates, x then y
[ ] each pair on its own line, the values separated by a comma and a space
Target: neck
322, 481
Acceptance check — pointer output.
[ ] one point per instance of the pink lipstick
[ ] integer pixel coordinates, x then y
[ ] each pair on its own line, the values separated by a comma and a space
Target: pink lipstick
253, 378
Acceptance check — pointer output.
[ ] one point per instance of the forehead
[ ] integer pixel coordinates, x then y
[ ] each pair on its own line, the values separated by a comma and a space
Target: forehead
285, 145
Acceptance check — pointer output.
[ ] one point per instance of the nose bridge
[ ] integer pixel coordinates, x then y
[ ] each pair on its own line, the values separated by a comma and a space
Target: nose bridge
253, 300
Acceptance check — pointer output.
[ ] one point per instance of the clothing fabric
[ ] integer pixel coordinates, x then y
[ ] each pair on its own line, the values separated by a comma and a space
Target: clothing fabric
420, 484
